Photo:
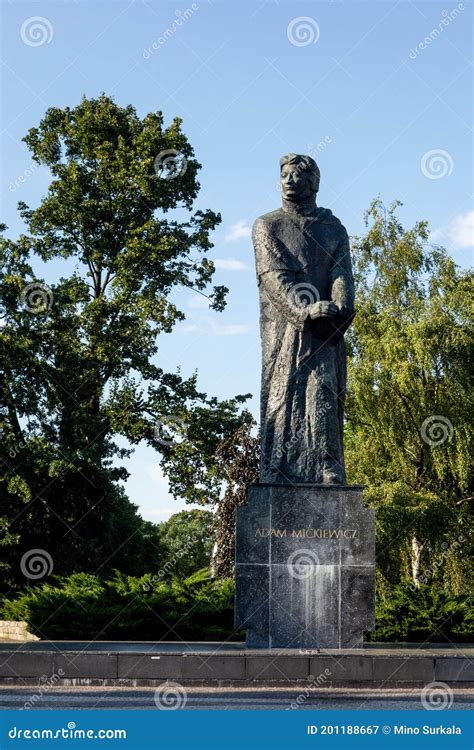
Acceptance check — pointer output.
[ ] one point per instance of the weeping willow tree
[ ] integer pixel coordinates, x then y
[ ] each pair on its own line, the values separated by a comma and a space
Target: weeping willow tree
238, 458
408, 431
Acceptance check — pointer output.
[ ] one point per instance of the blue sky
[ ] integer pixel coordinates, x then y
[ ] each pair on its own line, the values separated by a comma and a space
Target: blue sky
380, 93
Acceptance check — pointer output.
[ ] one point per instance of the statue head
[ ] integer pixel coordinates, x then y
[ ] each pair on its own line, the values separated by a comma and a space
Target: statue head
299, 178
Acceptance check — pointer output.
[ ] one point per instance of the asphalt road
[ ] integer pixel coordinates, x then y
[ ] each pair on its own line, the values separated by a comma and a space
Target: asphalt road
221, 699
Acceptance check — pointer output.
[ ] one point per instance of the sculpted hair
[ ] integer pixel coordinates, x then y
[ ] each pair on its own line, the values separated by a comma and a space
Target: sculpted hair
307, 164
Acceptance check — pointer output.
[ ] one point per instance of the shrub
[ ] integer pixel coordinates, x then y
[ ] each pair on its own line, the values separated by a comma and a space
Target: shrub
427, 613
126, 608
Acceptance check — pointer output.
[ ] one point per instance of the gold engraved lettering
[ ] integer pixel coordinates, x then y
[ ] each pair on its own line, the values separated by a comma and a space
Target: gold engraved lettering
310, 533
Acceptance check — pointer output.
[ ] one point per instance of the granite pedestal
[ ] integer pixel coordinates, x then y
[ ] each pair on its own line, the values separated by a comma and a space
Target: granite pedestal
305, 566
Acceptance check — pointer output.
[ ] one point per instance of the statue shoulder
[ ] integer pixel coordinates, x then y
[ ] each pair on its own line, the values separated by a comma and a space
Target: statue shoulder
268, 221
270, 253
326, 216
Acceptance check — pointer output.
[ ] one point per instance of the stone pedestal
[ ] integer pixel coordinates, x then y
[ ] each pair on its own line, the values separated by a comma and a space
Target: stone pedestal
305, 566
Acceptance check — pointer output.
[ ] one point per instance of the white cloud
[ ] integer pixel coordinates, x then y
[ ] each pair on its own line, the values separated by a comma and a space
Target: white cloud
155, 474
237, 231
210, 328
232, 330
198, 303
191, 328
460, 231
230, 264
158, 504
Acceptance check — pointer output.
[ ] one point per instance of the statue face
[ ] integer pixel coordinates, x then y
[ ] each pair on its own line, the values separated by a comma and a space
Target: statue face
295, 183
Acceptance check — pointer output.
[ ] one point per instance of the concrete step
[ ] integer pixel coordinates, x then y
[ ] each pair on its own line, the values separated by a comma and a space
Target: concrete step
220, 665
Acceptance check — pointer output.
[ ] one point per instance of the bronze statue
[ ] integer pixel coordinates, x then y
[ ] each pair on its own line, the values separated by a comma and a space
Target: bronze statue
306, 290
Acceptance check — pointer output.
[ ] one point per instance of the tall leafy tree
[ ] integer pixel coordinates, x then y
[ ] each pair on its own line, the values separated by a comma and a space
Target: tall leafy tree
188, 538
78, 364
409, 429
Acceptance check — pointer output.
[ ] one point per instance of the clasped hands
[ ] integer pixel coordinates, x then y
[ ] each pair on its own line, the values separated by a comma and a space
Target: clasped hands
323, 309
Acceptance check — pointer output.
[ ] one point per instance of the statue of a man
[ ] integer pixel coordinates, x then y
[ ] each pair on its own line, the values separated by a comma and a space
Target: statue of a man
306, 289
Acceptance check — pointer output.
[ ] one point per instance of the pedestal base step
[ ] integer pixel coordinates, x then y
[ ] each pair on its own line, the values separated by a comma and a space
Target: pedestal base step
369, 667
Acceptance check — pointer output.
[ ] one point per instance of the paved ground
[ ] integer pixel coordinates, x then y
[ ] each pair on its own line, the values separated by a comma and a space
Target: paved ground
177, 647
224, 699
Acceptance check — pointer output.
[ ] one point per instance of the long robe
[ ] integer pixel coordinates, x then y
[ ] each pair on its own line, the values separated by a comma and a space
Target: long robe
302, 257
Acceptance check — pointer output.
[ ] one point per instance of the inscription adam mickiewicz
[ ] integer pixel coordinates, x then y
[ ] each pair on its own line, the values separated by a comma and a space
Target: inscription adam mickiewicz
307, 533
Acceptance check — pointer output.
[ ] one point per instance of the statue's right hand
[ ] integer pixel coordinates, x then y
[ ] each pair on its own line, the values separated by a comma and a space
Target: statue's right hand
323, 309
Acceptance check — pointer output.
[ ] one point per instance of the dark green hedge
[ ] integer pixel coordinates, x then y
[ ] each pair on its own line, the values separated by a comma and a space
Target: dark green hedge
427, 613
81, 607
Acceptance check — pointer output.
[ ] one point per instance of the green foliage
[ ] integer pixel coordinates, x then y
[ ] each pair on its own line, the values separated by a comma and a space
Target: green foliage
126, 608
239, 457
193, 464
427, 613
409, 430
188, 539
78, 357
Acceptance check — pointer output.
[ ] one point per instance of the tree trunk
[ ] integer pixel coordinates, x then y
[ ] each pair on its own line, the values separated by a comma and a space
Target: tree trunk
416, 550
